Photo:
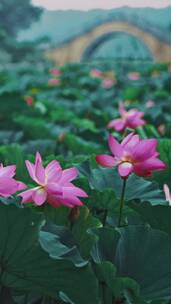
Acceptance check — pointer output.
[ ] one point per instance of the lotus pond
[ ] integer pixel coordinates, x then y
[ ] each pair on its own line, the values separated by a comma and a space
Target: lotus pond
85, 180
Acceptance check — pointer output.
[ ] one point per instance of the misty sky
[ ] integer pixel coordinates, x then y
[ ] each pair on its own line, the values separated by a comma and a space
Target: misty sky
94, 4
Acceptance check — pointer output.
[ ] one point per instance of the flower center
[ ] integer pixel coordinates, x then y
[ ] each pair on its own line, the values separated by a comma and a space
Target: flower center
127, 158
128, 114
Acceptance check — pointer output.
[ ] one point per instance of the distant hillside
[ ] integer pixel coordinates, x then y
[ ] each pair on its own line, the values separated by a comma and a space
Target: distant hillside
60, 25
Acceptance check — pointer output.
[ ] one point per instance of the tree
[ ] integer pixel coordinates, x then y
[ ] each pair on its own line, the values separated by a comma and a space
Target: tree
16, 15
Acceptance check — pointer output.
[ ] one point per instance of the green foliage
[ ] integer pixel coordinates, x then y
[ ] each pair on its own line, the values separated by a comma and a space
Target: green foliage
158, 217
26, 267
11, 13
164, 149
39, 128
133, 93
11, 22
102, 179
137, 254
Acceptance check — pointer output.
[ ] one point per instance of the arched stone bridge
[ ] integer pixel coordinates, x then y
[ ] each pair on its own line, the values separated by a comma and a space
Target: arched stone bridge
81, 47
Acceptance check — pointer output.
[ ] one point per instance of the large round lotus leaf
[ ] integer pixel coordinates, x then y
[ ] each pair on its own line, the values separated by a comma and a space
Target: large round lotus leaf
144, 254
158, 217
136, 188
25, 266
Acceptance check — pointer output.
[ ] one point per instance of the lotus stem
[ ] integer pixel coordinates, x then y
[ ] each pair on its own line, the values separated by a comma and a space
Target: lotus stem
105, 217
122, 202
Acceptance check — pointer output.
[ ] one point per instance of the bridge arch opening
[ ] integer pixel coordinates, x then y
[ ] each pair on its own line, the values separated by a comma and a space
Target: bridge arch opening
95, 45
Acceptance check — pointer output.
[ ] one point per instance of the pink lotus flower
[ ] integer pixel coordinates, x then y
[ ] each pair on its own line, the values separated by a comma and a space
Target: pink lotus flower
8, 185
54, 82
133, 76
162, 129
167, 193
55, 72
129, 119
133, 155
29, 100
150, 104
53, 185
108, 83
95, 73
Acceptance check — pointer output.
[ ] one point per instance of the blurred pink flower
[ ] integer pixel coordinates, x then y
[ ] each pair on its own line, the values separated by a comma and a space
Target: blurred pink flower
150, 104
133, 155
29, 100
162, 129
55, 72
54, 82
8, 185
95, 73
53, 185
167, 193
129, 119
134, 76
108, 83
